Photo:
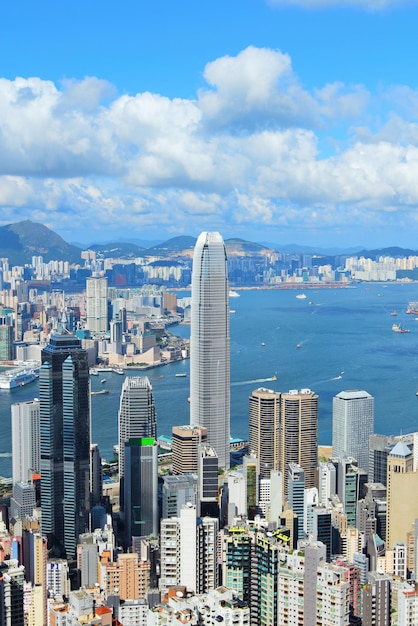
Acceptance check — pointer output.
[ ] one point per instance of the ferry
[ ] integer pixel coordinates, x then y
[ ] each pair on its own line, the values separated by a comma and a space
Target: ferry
18, 377
181, 375
233, 294
301, 296
119, 370
397, 328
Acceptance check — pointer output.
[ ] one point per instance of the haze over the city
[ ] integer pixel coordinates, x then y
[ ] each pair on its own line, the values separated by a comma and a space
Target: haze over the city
290, 121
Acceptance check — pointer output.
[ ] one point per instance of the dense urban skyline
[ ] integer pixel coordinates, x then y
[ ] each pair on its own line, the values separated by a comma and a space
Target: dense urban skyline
289, 120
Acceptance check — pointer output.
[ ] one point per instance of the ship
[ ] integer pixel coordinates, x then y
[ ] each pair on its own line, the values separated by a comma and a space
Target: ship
397, 328
181, 375
233, 294
18, 377
394, 313
412, 308
102, 392
301, 296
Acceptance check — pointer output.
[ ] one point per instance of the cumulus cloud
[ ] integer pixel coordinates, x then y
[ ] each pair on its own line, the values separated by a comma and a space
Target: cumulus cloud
255, 88
248, 150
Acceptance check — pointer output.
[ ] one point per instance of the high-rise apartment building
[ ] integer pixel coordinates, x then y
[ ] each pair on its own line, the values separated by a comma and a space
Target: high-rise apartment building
210, 344
137, 416
352, 425
311, 591
25, 440
189, 553
299, 435
376, 600
97, 306
12, 581
65, 443
264, 413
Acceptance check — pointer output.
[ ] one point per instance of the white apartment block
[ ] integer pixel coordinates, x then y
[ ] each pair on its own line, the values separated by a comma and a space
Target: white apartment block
189, 551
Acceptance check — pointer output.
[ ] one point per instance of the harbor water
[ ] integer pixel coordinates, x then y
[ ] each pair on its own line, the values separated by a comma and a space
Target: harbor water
332, 340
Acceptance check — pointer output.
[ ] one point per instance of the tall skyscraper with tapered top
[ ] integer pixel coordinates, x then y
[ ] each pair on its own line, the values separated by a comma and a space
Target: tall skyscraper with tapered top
210, 344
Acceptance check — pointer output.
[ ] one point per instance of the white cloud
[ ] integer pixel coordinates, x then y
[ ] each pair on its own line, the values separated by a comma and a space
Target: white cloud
246, 151
255, 88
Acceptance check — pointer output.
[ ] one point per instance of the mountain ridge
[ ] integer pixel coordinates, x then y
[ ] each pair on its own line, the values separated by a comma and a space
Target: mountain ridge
20, 241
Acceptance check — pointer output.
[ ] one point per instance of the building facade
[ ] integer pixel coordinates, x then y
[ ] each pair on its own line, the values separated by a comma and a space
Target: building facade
97, 307
352, 425
137, 416
25, 440
65, 443
299, 435
186, 441
141, 488
264, 415
210, 344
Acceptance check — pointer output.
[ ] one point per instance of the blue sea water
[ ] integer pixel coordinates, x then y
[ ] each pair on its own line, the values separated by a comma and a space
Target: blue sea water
346, 342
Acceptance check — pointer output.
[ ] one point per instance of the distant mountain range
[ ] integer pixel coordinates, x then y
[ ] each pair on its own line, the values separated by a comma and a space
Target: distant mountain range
21, 241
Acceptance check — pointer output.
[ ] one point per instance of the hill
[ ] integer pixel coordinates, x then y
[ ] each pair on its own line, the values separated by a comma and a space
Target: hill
21, 241
115, 250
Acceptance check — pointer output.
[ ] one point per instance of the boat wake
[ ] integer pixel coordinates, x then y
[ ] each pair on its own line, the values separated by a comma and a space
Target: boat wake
255, 380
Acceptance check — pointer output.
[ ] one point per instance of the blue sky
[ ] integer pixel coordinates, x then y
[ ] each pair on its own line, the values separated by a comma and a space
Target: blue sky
288, 121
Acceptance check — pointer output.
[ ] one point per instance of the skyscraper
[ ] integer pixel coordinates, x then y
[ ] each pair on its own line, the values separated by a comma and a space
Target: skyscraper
299, 435
141, 488
6, 339
97, 307
352, 425
25, 440
296, 494
186, 441
210, 344
65, 443
189, 554
264, 429
402, 494
137, 417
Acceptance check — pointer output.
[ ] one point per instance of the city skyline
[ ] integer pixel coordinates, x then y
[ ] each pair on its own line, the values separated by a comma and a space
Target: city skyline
262, 121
